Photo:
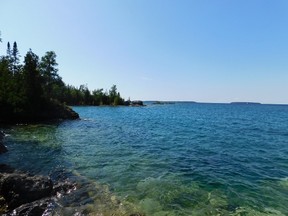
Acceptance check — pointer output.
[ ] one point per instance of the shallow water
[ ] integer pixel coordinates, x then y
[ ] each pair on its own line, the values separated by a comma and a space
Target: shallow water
174, 159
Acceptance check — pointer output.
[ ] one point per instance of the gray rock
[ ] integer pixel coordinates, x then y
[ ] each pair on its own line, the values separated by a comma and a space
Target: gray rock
137, 103
63, 188
36, 208
18, 189
3, 148
2, 135
24, 194
4, 168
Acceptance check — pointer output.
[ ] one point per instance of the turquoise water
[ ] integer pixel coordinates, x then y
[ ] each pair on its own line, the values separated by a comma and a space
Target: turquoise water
173, 159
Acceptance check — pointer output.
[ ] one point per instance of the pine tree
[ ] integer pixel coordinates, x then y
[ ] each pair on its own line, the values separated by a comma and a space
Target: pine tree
51, 79
9, 57
32, 81
9, 52
15, 58
48, 65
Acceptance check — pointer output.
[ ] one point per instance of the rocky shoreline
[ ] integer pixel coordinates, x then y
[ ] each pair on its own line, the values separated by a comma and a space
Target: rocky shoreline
3, 148
26, 194
53, 111
36, 195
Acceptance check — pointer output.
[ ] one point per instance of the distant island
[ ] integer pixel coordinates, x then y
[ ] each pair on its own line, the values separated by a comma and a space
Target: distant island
162, 102
246, 103
170, 102
34, 91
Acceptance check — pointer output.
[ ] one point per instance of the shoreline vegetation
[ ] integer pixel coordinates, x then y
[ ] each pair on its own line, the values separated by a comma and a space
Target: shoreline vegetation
35, 92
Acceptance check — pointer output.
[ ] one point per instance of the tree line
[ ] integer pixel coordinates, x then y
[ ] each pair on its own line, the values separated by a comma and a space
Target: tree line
29, 86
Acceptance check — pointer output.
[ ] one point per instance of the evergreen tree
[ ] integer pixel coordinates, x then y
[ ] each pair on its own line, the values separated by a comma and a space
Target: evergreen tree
51, 79
15, 53
22, 93
32, 82
117, 100
97, 97
112, 94
9, 52
15, 58
87, 97
11, 98
5, 79
9, 56
35, 91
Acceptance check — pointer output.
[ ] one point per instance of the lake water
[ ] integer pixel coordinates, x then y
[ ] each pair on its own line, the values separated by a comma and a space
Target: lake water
173, 159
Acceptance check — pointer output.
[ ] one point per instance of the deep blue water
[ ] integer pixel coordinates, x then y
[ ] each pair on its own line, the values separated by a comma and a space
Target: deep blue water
173, 159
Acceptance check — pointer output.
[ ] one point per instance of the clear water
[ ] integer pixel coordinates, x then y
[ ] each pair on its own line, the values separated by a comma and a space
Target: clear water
174, 159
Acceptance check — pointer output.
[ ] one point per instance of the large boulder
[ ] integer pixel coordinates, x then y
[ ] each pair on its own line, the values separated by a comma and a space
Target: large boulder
18, 189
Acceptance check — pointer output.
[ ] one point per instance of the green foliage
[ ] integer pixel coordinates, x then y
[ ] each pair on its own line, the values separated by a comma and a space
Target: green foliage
15, 58
32, 88
51, 81
28, 89
9, 51
83, 96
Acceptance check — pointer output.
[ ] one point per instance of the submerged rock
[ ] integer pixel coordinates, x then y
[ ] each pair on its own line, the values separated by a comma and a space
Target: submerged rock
63, 188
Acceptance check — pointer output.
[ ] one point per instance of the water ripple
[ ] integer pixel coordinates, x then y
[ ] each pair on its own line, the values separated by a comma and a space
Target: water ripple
174, 159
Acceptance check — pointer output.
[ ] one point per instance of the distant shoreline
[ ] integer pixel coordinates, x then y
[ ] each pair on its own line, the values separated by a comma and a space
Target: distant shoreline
246, 103
228, 103
164, 102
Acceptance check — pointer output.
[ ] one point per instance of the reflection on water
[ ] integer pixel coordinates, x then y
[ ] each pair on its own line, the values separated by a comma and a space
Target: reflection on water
175, 159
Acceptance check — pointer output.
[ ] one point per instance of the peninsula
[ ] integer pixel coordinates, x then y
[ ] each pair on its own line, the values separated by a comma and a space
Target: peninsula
34, 91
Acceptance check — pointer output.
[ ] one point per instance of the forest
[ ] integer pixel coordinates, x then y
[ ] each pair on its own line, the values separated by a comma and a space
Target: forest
35, 85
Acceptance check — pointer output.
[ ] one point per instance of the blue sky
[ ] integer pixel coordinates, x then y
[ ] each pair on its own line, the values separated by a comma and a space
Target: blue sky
197, 50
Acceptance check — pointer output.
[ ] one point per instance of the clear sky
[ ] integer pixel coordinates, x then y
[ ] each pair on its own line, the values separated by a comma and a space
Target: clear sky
197, 50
